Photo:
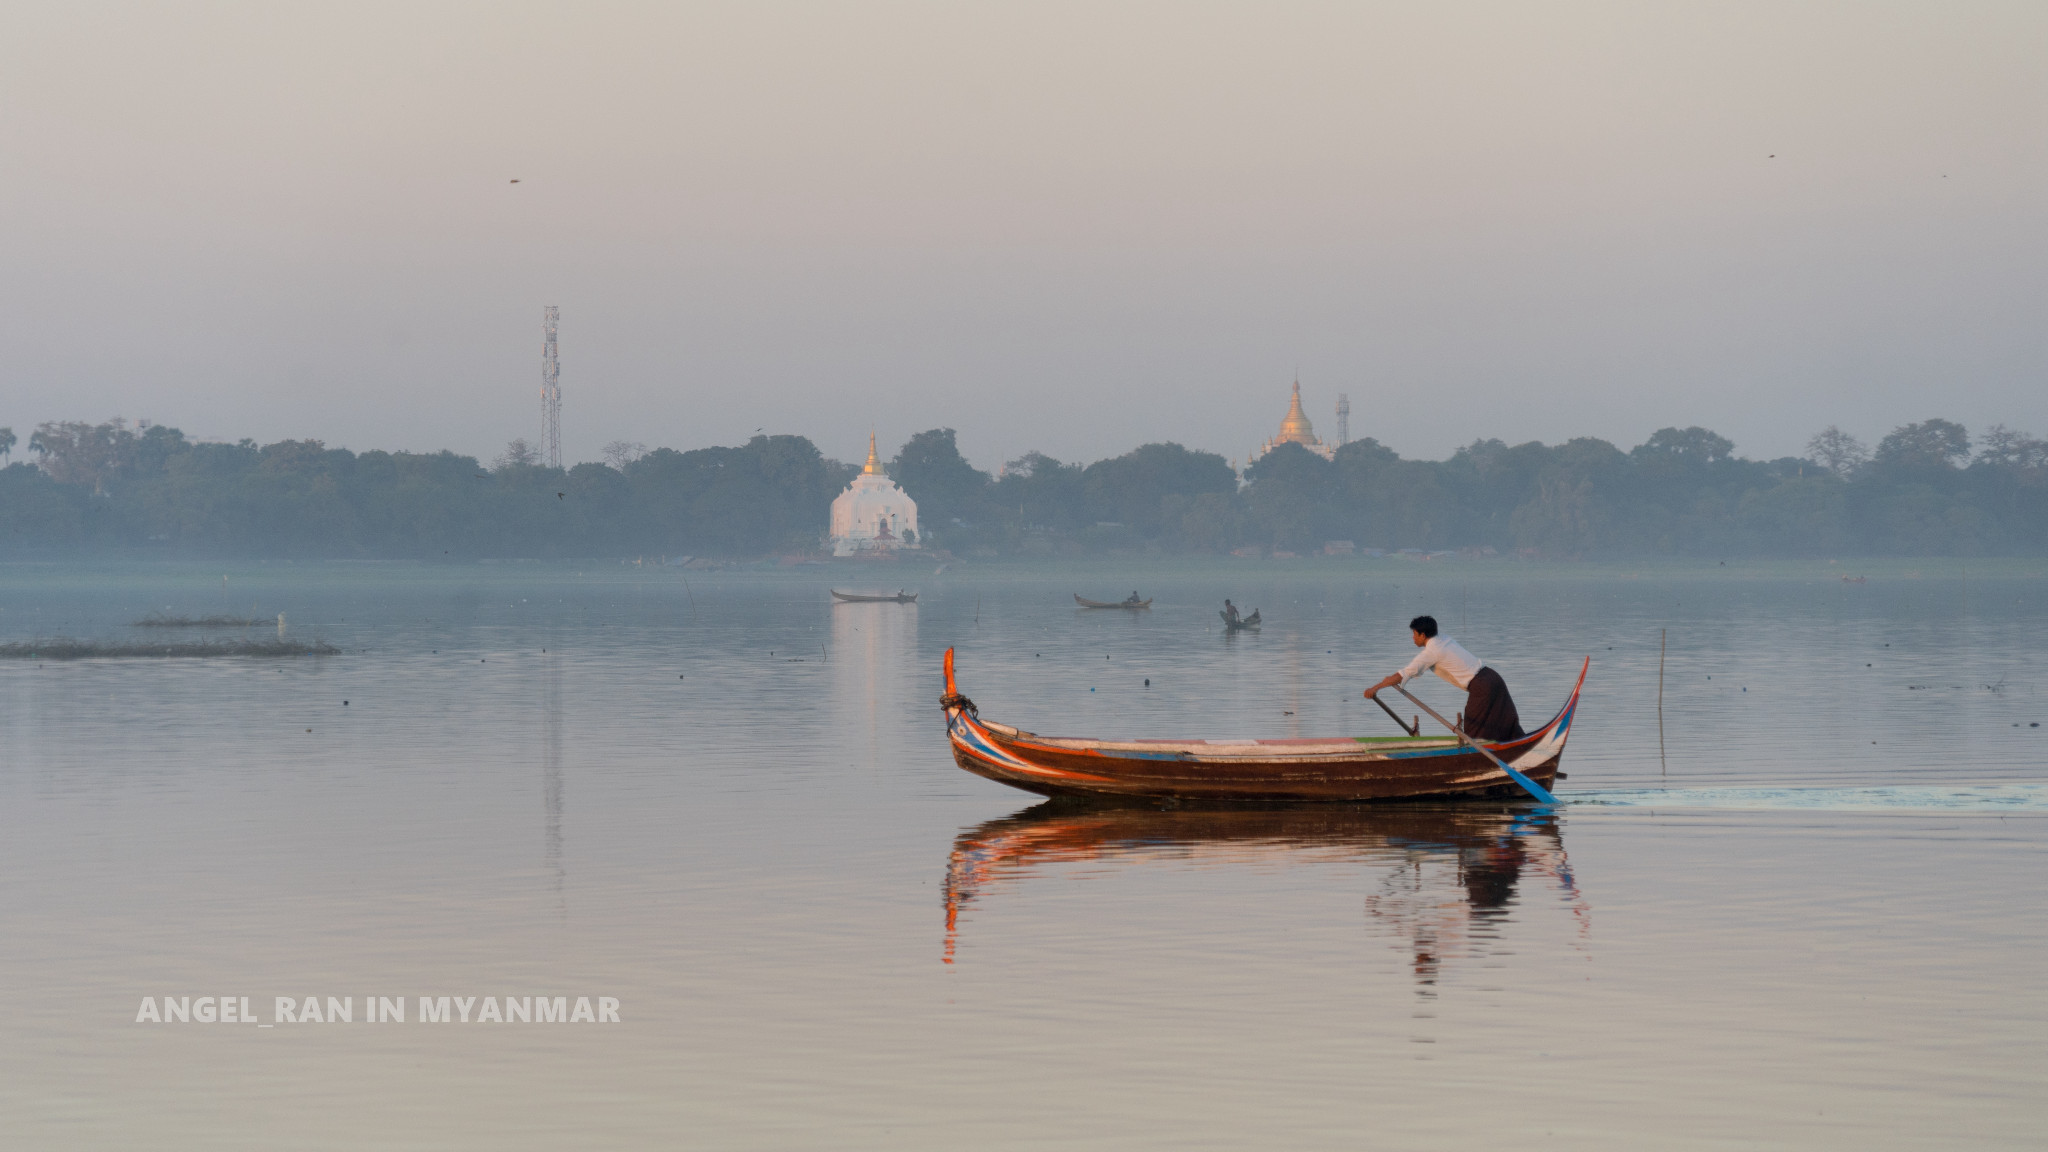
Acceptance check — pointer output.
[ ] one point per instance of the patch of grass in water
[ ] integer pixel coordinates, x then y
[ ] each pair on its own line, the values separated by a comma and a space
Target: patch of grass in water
63, 648
158, 620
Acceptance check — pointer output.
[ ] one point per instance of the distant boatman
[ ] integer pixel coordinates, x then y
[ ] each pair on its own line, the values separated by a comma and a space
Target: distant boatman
1489, 710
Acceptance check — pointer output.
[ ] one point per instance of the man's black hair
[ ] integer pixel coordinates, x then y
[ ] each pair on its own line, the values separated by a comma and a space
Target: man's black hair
1423, 624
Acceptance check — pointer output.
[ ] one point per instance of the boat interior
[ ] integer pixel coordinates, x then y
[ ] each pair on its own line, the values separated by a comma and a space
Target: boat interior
1334, 745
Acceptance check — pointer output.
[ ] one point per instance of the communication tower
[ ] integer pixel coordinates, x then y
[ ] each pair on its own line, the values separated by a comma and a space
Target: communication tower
1343, 419
550, 393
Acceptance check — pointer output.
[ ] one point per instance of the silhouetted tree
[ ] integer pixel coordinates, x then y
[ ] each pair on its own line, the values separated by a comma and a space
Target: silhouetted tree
1581, 501
1695, 446
950, 493
1837, 451
518, 454
1042, 493
1290, 494
1149, 488
775, 492
1999, 446
1930, 445
620, 453
75, 452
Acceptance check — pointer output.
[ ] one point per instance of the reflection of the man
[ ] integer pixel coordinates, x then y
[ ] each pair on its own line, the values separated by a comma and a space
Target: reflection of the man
1451, 872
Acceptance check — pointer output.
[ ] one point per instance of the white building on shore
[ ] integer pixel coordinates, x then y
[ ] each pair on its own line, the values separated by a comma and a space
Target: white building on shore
873, 514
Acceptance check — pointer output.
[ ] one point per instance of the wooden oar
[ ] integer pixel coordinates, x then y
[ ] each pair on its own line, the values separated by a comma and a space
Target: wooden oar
1398, 722
1534, 789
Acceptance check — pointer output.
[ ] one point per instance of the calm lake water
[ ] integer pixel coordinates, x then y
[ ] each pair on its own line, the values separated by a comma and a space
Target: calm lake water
1812, 917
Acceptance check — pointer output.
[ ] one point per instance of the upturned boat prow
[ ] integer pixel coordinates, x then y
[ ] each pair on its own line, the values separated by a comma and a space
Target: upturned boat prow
1335, 768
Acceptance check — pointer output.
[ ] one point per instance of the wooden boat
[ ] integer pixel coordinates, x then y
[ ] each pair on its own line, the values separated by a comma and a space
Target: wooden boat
1247, 623
1132, 605
1316, 768
864, 598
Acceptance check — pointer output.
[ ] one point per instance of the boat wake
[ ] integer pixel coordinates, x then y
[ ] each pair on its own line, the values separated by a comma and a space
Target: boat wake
1998, 798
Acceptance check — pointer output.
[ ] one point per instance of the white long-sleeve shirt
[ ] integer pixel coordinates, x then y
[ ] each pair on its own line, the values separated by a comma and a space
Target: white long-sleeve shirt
1448, 659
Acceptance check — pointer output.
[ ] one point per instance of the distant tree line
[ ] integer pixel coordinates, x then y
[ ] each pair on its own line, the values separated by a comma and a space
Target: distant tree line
110, 487
1925, 489
1922, 491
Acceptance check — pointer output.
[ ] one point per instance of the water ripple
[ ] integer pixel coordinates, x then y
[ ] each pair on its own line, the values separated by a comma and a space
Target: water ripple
1904, 798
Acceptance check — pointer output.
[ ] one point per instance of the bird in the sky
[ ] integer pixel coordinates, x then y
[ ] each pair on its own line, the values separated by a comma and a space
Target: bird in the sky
559, 496
515, 181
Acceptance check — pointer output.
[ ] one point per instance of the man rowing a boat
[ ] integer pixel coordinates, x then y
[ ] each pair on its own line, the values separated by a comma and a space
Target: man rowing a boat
1489, 710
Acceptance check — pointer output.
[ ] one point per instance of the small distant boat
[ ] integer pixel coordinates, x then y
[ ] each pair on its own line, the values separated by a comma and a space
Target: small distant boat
1248, 623
864, 598
1133, 605
1330, 768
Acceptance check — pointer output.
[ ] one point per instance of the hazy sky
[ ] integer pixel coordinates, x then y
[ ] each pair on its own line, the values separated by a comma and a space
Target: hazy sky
1069, 227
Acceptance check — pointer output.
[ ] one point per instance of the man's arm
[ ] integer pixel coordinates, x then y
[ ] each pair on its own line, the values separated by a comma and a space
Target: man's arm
1423, 662
1389, 682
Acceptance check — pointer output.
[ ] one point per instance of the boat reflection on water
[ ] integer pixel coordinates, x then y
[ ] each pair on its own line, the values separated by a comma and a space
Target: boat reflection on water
1449, 874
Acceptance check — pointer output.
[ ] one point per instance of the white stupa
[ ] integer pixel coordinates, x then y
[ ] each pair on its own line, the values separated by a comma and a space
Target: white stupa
873, 514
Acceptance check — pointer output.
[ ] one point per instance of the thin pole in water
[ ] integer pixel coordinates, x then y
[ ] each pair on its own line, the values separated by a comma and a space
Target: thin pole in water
977, 611
1662, 635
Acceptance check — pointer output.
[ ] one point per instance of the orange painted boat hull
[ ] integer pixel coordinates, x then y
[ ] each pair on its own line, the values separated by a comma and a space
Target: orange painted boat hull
1327, 769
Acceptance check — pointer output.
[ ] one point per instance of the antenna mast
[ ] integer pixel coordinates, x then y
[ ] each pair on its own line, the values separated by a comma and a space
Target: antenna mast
550, 393
1343, 419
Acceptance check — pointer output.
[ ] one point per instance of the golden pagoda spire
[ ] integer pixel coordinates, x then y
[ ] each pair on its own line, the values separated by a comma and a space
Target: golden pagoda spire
1296, 427
874, 466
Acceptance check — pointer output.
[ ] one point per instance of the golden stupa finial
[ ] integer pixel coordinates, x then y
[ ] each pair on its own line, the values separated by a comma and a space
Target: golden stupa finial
1296, 427
873, 466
